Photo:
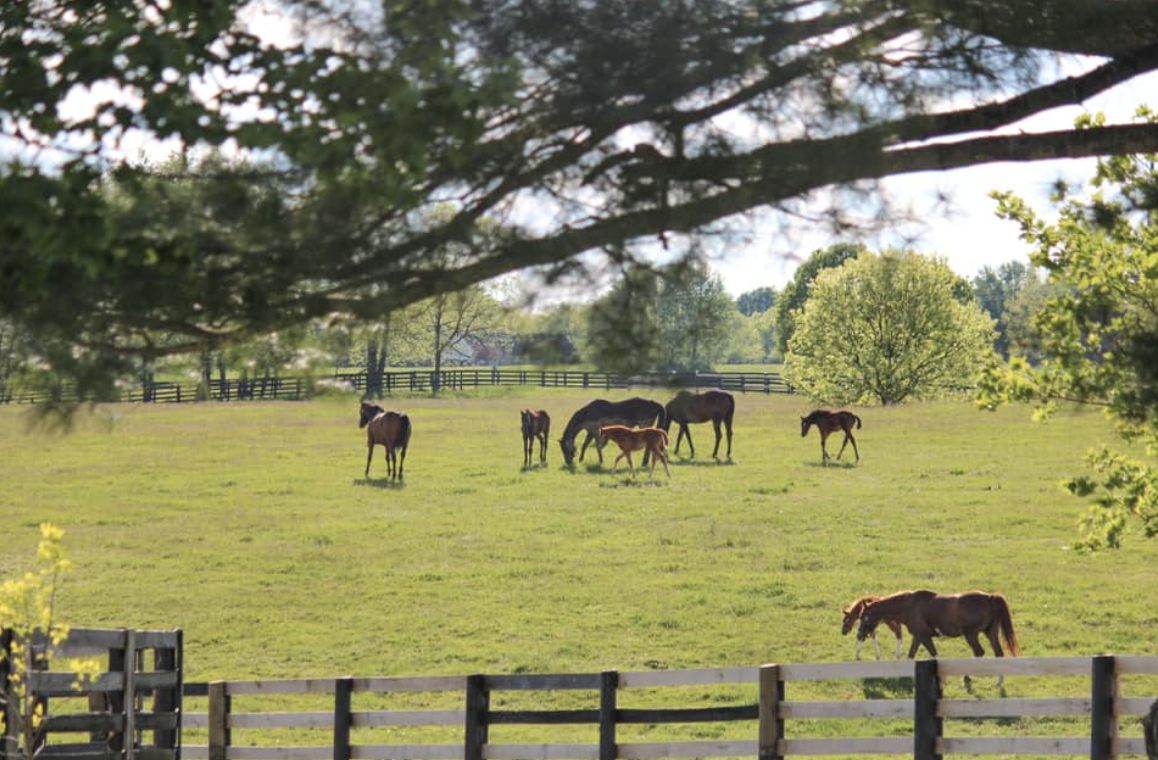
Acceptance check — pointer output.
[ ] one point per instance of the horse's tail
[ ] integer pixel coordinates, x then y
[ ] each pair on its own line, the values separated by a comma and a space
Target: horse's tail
729, 411
404, 432
857, 421
1005, 620
661, 417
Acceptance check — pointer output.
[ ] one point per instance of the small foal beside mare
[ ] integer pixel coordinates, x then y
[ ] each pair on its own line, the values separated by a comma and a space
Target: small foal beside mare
651, 440
536, 424
389, 429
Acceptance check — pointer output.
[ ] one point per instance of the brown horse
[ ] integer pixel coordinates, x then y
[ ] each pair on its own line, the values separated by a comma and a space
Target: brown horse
691, 408
652, 440
391, 430
829, 422
536, 424
633, 412
852, 613
928, 614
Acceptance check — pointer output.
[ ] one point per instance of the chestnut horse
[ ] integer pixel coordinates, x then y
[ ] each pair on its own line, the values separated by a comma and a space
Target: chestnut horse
710, 406
928, 614
536, 424
652, 440
391, 430
852, 614
633, 412
829, 422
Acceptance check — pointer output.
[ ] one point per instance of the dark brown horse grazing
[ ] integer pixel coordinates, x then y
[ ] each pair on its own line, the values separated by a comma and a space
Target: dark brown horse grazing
852, 614
928, 614
536, 425
829, 422
652, 440
390, 429
633, 412
691, 408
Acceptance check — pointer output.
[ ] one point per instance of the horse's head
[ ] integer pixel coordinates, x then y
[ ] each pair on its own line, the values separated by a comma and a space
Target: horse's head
568, 446
369, 411
602, 437
804, 424
851, 615
868, 623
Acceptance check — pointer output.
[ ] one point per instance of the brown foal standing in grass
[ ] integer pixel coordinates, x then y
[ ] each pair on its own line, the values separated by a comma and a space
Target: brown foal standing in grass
652, 440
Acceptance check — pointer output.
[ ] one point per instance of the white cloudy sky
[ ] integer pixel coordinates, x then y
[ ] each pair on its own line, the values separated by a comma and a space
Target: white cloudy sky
967, 233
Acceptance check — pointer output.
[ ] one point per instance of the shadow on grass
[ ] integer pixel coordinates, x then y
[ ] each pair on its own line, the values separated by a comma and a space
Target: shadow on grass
535, 466
383, 483
888, 688
679, 461
833, 464
629, 482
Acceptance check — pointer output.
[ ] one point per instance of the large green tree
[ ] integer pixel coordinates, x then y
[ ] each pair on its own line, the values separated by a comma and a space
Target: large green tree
1099, 335
885, 329
612, 122
796, 293
995, 290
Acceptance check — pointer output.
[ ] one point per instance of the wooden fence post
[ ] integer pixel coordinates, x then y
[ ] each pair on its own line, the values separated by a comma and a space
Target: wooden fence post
608, 694
478, 702
343, 717
1103, 715
219, 708
927, 727
169, 700
10, 739
771, 726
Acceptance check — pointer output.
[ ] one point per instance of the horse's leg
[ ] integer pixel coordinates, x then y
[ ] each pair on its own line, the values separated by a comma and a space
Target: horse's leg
542, 447
716, 427
823, 450
876, 644
402, 456
663, 458
992, 633
728, 428
586, 443
616, 463
630, 464
896, 629
369, 456
844, 443
391, 462
686, 429
855, 450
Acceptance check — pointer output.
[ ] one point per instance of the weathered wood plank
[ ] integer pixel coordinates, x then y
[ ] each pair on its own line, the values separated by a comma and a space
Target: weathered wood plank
541, 752
1130, 746
1013, 707
838, 670
649, 750
879, 745
282, 720
1015, 745
652, 678
689, 714
64, 684
383, 718
1136, 665
1134, 705
406, 752
281, 686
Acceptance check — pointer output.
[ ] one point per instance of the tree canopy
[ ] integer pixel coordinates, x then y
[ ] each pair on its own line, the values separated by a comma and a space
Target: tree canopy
1098, 334
886, 329
308, 160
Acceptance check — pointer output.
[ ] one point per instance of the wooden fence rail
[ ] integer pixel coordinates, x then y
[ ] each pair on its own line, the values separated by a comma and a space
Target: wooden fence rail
416, 381
765, 728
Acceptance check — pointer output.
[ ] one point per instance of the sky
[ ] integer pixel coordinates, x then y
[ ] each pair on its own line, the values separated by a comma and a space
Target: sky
966, 232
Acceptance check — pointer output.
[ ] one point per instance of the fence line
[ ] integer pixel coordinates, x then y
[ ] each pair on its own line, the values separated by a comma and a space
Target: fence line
772, 713
416, 381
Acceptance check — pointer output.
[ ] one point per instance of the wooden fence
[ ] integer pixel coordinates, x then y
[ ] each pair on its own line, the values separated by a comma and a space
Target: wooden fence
417, 381
95, 716
765, 729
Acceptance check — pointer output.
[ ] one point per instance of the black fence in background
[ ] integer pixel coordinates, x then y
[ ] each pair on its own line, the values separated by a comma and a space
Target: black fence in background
415, 381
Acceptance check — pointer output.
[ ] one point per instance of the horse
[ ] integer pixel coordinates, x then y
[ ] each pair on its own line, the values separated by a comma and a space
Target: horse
391, 430
829, 422
634, 412
691, 408
652, 440
928, 614
536, 424
852, 613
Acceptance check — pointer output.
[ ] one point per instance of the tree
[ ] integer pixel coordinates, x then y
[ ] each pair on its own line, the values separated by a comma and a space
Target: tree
1024, 338
756, 301
1099, 335
623, 326
452, 320
612, 120
995, 290
796, 293
887, 329
695, 315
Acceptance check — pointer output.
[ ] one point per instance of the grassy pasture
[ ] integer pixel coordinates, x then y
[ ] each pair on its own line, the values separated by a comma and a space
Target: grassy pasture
251, 527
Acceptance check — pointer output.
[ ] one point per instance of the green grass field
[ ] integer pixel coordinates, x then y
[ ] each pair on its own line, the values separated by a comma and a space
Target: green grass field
251, 527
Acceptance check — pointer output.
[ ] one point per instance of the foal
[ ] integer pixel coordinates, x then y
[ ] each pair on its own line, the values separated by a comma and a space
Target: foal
536, 424
853, 612
829, 422
388, 429
651, 440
